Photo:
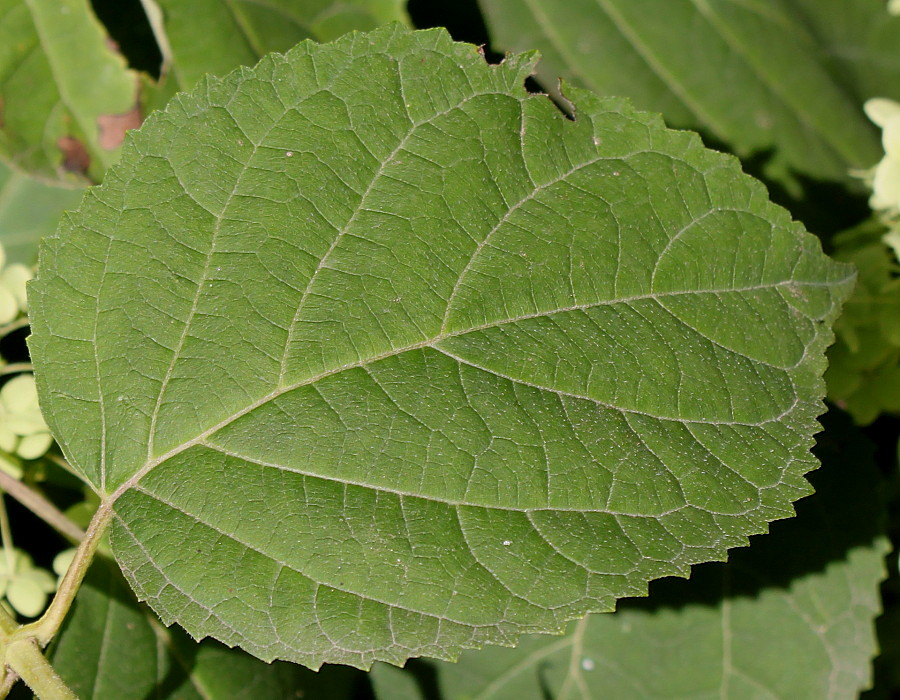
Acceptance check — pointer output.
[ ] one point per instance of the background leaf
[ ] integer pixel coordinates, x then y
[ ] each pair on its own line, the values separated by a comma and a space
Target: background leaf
210, 36
66, 96
790, 617
861, 43
29, 210
110, 648
373, 355
864, 363
758, 77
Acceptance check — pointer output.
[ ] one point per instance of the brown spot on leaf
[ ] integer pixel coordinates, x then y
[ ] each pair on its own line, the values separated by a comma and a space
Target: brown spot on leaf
76, 159
113, 127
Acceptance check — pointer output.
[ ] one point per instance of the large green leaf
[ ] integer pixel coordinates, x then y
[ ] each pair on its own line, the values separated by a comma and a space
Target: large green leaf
112, 648
753, 75
791, 617
212, 36
29, 209
65, 95
373, 355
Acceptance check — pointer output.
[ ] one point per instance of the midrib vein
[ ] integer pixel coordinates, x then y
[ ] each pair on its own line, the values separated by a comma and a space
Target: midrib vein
486, 240
377, 175
195, 302
433, 343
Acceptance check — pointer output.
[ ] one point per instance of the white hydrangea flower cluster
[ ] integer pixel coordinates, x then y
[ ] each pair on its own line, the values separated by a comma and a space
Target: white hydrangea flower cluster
24, 585
884, 179
893, 7
24, 435
12, 289
23, 431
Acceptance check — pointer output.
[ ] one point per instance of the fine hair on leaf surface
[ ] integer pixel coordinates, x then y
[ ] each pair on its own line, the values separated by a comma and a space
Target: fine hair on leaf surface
372, 355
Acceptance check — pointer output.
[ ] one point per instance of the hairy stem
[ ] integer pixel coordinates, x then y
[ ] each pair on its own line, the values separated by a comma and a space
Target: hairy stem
9, 680
24, 656
44, 629
41, 507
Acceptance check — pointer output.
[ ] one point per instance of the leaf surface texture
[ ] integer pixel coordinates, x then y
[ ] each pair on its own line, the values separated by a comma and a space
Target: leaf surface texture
790, 617
374, 355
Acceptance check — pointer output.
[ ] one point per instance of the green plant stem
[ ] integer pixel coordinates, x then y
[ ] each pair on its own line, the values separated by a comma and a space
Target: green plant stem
6, 538
41, 507
44, 629
9, 680
16, 367
24, 657
8, 623
13, 326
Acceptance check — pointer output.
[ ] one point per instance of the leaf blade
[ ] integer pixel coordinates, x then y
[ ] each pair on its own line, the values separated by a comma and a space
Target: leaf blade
348, 412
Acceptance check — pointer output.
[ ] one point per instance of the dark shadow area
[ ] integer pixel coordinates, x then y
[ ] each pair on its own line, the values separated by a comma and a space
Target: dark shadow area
174, 679
13, 346
128, 27
544, 669
462, 19
426, 677
885, 433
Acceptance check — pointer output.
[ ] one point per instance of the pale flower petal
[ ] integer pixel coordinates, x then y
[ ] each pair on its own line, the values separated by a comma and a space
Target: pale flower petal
890, 137
14, 279
34, 446
886, 185
880, 110
9, 306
